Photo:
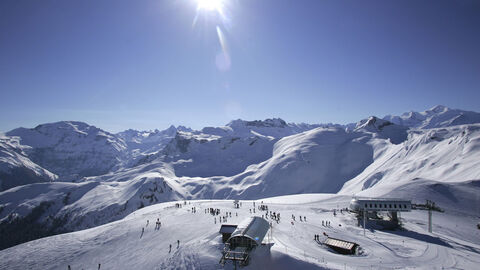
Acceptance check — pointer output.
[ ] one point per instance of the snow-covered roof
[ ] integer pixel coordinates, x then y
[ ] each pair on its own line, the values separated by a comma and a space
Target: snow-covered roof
339, 243
254, 228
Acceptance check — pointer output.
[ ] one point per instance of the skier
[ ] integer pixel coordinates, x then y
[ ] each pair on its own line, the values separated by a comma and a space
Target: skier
178, 243
300, 218
147, 223
170, 248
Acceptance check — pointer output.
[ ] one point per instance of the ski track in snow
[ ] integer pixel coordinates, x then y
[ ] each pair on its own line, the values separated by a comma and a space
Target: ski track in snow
119, 245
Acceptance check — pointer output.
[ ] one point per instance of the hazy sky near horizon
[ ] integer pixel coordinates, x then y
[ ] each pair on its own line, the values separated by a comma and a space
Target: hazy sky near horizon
120, 64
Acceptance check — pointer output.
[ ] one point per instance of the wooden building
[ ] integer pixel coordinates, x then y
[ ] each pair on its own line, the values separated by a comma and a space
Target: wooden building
341, 246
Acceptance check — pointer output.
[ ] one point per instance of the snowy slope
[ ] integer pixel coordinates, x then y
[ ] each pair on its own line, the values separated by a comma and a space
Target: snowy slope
60, 206
204, 155
16, 168
383, 129
72, 149
147, 142
275, 127
245, 160
122, 245
445, 155
438, 116
319, 160
225, 151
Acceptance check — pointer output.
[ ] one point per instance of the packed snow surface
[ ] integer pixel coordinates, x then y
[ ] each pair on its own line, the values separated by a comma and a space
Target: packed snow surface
133, 242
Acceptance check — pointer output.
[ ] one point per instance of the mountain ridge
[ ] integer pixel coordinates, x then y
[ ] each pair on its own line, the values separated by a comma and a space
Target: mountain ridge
242, 160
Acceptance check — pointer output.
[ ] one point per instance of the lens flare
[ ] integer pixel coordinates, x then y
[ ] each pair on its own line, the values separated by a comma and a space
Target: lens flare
210, 5
214, 14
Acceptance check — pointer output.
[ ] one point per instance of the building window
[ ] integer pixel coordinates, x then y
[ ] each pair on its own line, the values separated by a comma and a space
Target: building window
375, 205
370, 205
405, 205
394, 206
389, 206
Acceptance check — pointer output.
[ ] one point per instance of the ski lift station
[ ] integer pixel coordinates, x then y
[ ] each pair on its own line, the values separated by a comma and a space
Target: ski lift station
245, 238
368, 208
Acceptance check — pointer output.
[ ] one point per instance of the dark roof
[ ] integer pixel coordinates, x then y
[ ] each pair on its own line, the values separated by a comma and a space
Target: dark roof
226, 228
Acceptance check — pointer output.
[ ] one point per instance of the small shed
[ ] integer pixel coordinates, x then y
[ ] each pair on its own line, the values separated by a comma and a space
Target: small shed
249, 233
226, 230
341, 246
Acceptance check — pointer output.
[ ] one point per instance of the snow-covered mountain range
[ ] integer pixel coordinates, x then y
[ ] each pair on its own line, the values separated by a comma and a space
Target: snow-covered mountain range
67, 176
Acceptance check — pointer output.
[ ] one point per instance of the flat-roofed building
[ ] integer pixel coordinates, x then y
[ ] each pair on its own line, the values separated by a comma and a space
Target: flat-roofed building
368, 208
380, 204
341, 246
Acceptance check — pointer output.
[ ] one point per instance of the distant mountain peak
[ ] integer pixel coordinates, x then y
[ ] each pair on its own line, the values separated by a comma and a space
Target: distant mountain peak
439, 109
373, 122
435, 117
269, 122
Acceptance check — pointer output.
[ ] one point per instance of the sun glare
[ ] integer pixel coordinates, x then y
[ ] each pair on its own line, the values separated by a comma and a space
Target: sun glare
210, 5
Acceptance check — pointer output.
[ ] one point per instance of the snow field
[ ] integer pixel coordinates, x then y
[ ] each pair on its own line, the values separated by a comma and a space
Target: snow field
121, 245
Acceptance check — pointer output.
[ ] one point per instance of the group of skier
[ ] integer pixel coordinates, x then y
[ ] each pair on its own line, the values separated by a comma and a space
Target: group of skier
178, 245
213, 211
317, 236
273, 215
302, 220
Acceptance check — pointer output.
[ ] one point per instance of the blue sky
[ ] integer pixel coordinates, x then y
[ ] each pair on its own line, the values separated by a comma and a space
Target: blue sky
121, 64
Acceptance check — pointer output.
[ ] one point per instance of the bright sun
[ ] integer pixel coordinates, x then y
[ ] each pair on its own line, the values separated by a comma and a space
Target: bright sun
210, 4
